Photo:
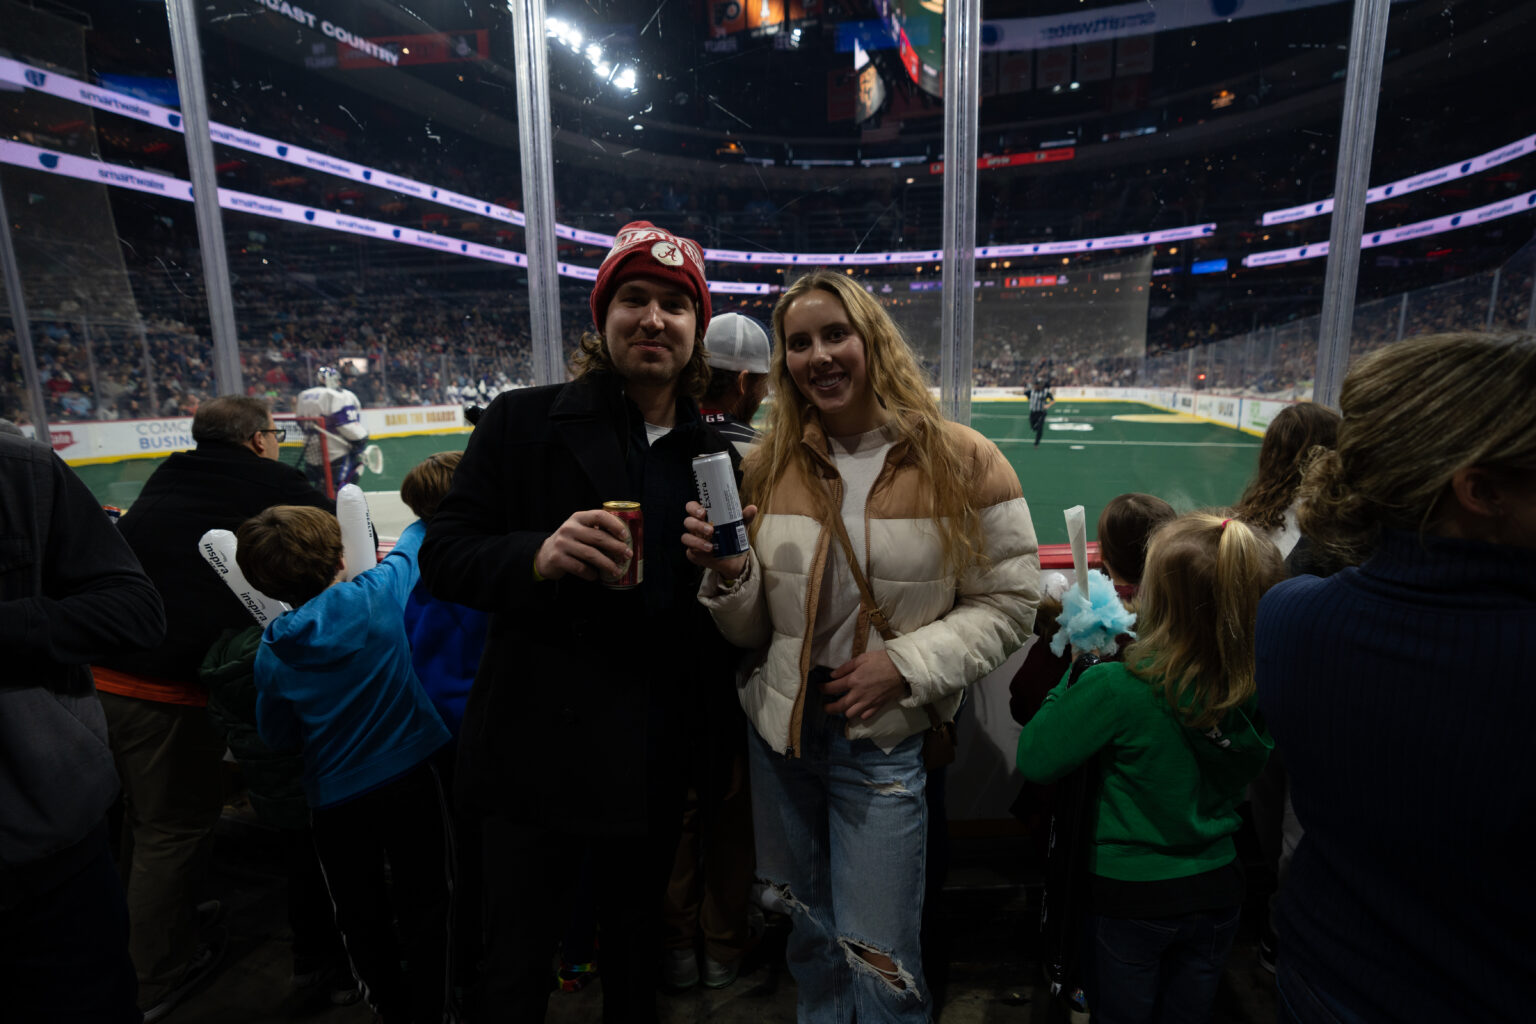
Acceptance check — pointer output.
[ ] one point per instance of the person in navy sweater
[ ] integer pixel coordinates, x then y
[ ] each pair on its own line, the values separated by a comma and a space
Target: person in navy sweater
334, 677
1399, 691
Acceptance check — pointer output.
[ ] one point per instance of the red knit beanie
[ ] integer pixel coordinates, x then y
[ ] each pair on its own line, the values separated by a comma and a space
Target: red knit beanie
641, 249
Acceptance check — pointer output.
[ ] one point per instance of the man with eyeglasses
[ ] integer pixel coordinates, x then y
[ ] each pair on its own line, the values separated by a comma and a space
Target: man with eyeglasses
166, 748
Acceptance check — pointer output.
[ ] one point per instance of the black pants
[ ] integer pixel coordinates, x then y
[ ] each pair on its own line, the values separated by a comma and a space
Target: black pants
529, 873
316, 943
403, 825
64, 949
1037, 424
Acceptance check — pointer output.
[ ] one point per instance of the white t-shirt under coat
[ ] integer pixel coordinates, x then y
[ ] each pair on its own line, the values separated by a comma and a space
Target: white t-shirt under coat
859, 460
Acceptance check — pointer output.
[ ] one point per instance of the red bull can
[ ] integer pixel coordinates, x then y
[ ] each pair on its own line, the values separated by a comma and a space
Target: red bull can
722, 505
632, 571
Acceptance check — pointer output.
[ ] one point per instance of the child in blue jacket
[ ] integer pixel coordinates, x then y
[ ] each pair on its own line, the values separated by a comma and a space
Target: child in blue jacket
447, 639
334, 677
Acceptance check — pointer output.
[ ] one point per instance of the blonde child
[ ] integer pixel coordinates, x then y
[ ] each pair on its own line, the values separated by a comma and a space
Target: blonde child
1171, 728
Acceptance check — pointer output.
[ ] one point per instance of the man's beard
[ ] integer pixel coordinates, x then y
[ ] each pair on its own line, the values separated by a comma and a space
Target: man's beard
650, 368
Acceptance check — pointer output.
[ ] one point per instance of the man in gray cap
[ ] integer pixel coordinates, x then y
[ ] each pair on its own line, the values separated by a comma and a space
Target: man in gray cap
737, 348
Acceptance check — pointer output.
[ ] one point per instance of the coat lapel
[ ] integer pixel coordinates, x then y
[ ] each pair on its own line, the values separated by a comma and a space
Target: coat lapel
583, 419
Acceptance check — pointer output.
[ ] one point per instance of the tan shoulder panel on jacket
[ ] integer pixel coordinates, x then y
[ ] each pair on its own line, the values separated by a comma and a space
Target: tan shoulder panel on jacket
993, 478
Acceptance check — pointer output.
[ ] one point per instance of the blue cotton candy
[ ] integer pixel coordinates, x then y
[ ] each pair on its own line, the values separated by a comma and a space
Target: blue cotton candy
1092, 623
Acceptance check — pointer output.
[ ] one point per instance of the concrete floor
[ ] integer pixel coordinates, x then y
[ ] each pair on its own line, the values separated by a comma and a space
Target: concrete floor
992, 906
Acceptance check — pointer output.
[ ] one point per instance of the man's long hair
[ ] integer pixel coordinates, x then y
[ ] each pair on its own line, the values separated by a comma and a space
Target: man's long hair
592, 356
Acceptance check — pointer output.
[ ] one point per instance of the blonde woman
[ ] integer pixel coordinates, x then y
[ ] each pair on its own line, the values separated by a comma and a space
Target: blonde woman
934, 515
1176, 739
1399, 691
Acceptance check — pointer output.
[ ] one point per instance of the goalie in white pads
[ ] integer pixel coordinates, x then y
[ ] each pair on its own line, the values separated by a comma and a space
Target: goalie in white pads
332, 411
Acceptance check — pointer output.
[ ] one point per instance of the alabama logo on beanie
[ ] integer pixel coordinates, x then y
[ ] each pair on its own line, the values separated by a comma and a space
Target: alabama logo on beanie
641, 249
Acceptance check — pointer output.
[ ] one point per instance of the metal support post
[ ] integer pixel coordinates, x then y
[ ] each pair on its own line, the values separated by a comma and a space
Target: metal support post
1357, 134
187, 56
1530, 314
535, 133
962, 100
22, 326
153, 406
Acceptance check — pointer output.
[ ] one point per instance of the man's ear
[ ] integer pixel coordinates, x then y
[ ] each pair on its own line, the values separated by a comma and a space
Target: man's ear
743, 383
1478, 491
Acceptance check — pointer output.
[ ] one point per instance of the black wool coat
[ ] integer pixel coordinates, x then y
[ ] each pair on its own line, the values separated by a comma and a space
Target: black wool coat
215, 486
590, 702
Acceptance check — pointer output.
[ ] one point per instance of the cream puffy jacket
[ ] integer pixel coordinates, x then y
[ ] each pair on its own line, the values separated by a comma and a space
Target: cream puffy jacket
952, 630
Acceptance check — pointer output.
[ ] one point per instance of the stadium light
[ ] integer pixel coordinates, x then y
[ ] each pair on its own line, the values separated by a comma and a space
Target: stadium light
625, 79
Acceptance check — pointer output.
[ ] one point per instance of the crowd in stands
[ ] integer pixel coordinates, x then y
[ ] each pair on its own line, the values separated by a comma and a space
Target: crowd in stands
427, 345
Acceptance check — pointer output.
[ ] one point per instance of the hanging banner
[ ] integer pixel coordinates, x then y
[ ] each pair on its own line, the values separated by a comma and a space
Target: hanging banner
434, 48
1125, 20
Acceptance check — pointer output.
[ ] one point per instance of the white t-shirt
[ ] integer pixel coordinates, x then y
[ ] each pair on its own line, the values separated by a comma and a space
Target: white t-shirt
1287, 534
859, 460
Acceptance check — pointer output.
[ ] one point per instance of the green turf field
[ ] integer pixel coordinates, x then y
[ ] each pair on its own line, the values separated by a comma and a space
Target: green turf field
1089, 455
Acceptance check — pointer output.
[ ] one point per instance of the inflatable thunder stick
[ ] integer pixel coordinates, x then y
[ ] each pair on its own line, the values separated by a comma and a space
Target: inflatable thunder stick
358, 553
218, 549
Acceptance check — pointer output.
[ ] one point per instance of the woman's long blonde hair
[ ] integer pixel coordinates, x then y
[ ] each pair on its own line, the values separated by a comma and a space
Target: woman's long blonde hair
1199, 600
899, 386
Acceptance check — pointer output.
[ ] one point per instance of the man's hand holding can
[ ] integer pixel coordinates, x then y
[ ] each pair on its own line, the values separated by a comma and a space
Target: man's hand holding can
590, 544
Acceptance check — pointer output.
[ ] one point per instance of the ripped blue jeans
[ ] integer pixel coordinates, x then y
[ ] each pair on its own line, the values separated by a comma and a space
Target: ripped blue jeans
842, 835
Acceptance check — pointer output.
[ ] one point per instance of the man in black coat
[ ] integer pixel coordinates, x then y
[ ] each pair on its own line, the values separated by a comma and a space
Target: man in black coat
165, 746
70, 591
586, 706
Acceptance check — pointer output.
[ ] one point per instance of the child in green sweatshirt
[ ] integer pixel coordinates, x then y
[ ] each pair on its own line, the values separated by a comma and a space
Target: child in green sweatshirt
1177, 739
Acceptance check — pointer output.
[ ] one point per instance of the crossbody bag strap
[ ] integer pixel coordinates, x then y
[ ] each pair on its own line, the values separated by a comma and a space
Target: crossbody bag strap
867, 597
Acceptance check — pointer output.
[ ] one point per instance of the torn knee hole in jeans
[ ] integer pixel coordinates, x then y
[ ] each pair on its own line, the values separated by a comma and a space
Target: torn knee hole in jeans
878, 962
893, 788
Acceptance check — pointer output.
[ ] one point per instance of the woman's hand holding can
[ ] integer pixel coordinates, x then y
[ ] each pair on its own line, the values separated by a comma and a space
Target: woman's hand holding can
698, 539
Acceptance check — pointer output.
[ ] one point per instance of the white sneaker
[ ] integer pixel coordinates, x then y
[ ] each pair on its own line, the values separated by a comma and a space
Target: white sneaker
204, 961
719, 975
681, 969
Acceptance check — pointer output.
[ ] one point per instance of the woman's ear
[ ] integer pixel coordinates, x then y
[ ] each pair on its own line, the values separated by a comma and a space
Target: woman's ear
1478, 492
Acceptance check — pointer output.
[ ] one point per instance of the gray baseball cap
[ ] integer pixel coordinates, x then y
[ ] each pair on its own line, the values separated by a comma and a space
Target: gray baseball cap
737, 342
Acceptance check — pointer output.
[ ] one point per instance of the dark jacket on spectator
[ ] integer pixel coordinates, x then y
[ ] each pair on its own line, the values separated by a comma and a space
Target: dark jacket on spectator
274, 779
582, 688
1400, 692
70, 591
215, 486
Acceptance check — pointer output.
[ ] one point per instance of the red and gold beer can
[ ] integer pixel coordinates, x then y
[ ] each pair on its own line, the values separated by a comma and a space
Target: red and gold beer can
633, 571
